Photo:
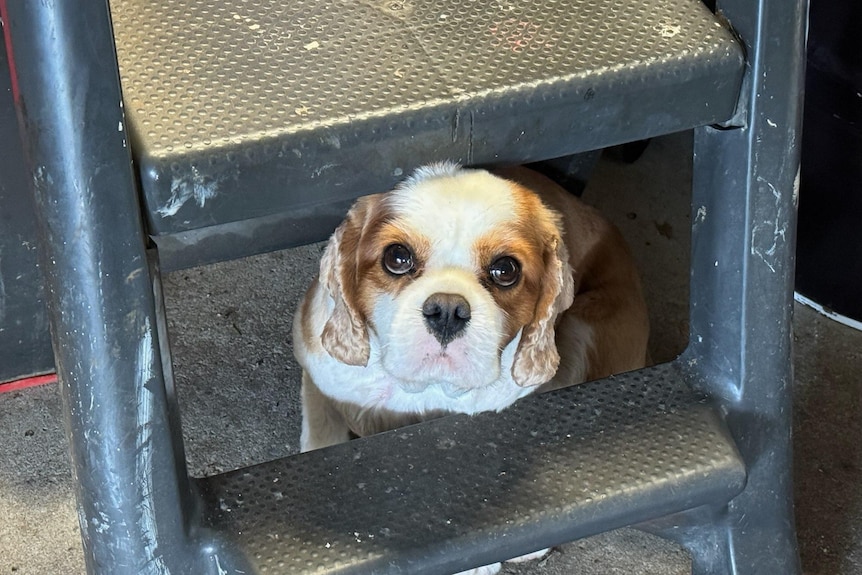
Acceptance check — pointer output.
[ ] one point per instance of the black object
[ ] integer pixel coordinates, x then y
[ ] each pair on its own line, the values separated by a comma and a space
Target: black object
25, 344
214, 143
829, 267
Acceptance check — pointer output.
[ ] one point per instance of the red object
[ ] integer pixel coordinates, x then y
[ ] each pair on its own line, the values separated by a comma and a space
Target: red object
16, 95
19, 384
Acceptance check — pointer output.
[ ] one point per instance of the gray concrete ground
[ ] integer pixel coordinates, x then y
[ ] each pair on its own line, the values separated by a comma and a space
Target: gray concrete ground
238, 389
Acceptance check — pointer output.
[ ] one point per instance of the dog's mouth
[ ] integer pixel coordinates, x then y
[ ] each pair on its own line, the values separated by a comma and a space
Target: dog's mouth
442, 369
440, 359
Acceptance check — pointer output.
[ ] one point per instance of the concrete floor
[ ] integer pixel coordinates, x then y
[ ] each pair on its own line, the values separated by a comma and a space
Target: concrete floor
238, 389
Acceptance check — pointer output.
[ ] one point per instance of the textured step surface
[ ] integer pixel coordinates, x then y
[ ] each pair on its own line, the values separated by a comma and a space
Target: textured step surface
244, 109
425, 498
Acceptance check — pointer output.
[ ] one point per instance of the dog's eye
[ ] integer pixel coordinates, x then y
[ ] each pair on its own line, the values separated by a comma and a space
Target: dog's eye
398, 260
505, 271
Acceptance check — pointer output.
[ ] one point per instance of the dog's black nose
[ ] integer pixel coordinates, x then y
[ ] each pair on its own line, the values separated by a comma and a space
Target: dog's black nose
446, 316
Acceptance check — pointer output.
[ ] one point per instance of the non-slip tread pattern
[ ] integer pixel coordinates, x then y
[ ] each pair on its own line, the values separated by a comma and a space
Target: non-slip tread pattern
242, 109
197, 73
551, 468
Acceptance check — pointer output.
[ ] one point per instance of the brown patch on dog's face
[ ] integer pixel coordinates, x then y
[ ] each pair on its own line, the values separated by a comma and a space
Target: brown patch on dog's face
531, 239
373, 279
348, 272
517, 301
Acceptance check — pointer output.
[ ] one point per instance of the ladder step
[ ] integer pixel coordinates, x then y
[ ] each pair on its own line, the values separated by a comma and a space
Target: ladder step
462, 491
243, 109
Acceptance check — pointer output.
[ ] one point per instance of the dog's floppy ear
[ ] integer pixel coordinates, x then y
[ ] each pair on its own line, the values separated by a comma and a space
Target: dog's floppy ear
344, 336
537, 359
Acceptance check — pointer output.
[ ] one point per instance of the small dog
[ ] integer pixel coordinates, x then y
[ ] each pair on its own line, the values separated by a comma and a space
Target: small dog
461, 291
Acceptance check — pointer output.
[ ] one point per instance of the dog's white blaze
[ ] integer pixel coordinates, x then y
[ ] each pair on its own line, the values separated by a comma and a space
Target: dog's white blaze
411, 354
453, 212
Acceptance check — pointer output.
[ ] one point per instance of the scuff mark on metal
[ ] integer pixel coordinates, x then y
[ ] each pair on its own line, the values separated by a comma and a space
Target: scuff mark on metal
145, 364
221, 571
456, 122
795, 196
333, 141
134, 274
199, 187
669, 30
101, 523
470, 139
777, 229
321, 169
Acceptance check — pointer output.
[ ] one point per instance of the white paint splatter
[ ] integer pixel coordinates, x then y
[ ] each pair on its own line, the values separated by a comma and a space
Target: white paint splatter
197, 186
101, 523
221, 571
252, 25
321, 169
333, 141
669, 30
312, 45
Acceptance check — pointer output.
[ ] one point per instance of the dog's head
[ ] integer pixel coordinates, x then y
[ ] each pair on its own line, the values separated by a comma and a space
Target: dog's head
444, 273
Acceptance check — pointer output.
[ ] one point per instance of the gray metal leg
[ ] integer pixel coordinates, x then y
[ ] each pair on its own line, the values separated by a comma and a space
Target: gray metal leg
744, 219
133, 494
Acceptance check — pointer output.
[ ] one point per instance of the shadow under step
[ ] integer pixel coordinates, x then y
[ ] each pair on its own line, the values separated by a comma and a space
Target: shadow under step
462, 491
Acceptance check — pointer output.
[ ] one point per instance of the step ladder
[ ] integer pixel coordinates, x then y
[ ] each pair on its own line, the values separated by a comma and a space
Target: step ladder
248, 126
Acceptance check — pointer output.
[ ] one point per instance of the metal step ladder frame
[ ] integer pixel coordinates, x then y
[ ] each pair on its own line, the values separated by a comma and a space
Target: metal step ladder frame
109, 337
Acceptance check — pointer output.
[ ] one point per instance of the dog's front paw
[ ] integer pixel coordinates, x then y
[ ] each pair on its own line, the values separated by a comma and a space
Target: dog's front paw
485, 570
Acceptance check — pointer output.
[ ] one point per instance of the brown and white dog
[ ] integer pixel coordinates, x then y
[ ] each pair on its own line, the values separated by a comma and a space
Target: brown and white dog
461, 291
